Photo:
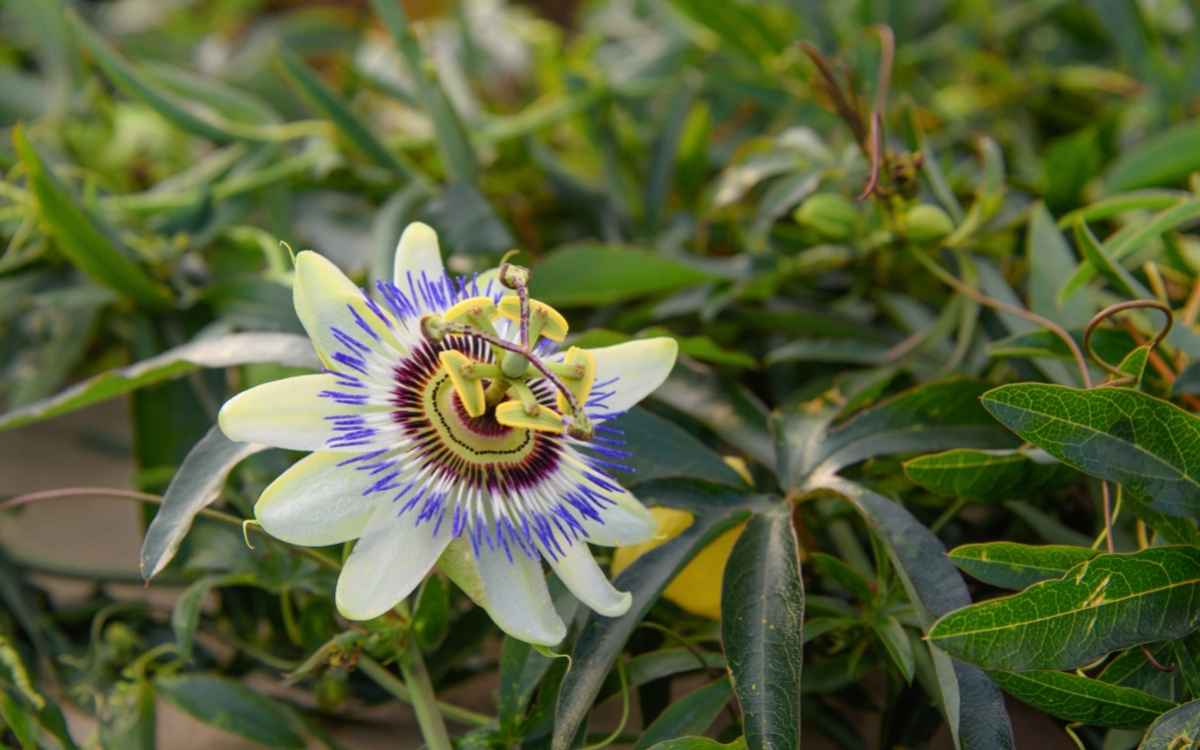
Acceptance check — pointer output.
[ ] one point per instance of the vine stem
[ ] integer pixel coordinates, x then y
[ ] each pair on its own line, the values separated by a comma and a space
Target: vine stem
396, 687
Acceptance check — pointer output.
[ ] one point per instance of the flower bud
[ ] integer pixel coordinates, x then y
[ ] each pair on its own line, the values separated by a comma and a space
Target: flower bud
830, 215
926, 223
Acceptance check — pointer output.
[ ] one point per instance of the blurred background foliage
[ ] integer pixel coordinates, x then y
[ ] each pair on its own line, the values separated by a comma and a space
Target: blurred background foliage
663, 166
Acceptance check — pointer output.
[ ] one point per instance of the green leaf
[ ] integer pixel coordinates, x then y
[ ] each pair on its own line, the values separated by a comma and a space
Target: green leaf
80, 236
196, 485
1110, 602
662, 449
692, 714
699, 743
185, 617
1009, 565
601, 639
1186, 652
130, 720
930, 417
729, 410
989, 476
348, 124
231, 706
762, 616
1134, 364
129, 80
1072, 697
579, 275
896, 643
455, 146
1132, 669
215, 351
431, 614
1105, 258
1110, 343
971, 703
19, 720
1161, 159
1115, 205
1122, 435
1050, 265
1176, 729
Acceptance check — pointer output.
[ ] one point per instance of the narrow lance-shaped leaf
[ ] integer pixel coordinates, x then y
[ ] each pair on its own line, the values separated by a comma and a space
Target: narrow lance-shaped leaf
231, 706
217, 351
87, 244
347, 123
600, 641
1072, 697
991, 476
452, 138
1009, 565
129, 80
1101, 605
1149, 446
195, 486
1176, 729
932, 417
762, 616
692, 714
972, 704
615, 273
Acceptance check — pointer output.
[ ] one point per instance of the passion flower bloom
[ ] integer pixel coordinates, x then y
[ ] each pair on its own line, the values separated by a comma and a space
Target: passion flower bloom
448, 422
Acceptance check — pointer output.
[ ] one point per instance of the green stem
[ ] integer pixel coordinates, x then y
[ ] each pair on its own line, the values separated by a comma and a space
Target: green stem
389, 682
948, 514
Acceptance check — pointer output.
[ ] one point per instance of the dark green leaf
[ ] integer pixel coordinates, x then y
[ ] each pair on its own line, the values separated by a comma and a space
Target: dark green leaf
1110, 343
600, 641
1050, 264
698, 743
431, 615
692, 714
1009, 565
1132, 669
931, 417
231, 706
89, 245
897, 645
197, 484
1186, 653
1118, 434
662, 449
1073, 697
185, 617
1162, 159
729, 410
971, 703
217, 351
455, 146
990, 476
1176, 729
348, 124
127, 78
1110, 602
130, 720
762, 615
579, 275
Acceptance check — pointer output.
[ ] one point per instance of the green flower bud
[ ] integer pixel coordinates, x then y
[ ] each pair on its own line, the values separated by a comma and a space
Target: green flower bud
926, 223
830, 215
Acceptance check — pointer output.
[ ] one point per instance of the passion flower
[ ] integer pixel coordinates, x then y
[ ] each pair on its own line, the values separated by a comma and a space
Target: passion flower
448, 420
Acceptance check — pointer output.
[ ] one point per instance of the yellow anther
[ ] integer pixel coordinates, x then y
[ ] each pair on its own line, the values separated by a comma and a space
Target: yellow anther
513, 414
581, 380
478, 311
544, 320
468, 388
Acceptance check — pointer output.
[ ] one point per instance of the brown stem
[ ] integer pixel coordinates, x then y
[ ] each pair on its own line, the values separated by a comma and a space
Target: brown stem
1120, 307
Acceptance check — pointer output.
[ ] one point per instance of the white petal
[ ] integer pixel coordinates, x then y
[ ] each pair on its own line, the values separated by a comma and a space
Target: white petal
631, 371
321, 500
517, 597
578, 570
418, 254
324, 299
627, 522
388, 562
290, 413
